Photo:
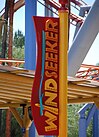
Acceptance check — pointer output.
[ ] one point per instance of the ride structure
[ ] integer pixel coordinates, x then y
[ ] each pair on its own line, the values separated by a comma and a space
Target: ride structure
79, 90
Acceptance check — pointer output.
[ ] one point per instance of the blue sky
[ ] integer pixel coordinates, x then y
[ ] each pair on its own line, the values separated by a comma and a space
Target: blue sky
19, 23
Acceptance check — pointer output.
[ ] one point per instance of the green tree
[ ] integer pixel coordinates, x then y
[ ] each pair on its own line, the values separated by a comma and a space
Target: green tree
18, 53
18, 46
19, 39
73, 119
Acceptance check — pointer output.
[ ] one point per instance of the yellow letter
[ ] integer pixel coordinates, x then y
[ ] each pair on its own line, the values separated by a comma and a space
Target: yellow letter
51, 74
51, 26
51, 126
51, 36
51, 85
50, 101
51, 57
51, 47
51, 66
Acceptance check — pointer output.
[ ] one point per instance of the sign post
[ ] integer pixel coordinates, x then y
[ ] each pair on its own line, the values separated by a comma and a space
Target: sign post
63, 46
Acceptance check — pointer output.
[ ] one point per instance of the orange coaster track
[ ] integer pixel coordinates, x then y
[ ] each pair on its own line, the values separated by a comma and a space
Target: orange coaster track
52, 3
88, 72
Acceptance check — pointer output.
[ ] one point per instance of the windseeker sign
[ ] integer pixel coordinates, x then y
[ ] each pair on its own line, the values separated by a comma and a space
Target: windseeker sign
45, 92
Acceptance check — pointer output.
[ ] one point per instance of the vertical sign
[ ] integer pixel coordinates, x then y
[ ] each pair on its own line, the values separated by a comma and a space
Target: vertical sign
45, 92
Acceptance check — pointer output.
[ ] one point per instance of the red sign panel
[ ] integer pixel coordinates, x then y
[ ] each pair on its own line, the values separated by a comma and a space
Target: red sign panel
45, 92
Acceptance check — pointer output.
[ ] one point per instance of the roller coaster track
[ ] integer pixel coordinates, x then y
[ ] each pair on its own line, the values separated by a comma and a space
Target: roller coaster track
17, 6
89, 72
52, 3
79, 3
73, 18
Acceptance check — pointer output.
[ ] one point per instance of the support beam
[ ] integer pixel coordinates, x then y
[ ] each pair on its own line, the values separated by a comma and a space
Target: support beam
83, 100
4, 39
26, 118
11, 105
30, 38
11, 13
32, 131
83, 40
82, 120
26, 122
82, 126
82, 12
17, 116
96, 124
8, 123
90, 115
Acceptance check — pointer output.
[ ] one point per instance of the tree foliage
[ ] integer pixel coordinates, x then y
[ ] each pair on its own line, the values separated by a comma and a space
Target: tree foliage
73, 120
19, 39
18, 45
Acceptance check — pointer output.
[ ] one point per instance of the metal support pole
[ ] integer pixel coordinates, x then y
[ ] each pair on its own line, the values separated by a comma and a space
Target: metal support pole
82, 12
4, 39
96, 124
82, 120
82, 126
11, 13
83, 40
32, 130
30, 38
63, 43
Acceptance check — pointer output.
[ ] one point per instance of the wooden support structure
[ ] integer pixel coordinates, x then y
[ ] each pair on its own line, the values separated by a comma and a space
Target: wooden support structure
8, 123
24, 122
18, 83
16, 115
